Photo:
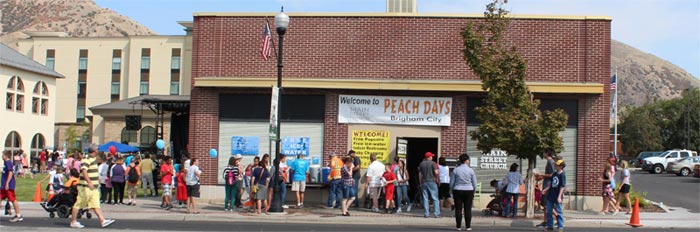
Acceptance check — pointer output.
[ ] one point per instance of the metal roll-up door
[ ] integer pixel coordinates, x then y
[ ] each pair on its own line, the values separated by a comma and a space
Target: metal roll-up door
228, 129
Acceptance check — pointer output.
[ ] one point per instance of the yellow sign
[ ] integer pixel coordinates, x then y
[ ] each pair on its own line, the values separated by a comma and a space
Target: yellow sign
366, 142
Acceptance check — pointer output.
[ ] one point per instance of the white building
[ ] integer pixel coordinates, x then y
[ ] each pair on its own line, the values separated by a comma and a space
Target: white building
27, 119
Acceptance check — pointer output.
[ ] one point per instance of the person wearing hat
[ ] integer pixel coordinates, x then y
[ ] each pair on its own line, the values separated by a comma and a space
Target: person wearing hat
428, 180
555, 193
512, 181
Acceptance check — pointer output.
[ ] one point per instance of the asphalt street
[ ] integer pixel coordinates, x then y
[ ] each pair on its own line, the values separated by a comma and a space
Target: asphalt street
672, 190
46, 224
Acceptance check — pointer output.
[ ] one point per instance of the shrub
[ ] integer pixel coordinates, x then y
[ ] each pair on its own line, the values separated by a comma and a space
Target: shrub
633, 196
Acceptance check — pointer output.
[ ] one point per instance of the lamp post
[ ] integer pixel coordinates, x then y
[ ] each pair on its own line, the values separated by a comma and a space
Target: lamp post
281, 24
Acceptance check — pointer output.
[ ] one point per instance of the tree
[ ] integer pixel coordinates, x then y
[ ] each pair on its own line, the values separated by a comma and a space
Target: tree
640, 130
511, 120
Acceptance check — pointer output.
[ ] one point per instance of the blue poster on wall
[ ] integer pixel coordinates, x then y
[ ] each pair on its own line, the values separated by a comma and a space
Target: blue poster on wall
293, 146
245, 145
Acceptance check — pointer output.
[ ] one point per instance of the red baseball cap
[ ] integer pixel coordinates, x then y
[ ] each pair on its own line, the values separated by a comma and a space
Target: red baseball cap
429, 154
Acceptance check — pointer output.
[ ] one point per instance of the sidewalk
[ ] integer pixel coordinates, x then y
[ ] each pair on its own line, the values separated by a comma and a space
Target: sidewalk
148, 209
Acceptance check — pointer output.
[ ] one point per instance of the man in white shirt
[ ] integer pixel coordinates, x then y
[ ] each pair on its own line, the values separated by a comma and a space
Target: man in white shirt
374, 181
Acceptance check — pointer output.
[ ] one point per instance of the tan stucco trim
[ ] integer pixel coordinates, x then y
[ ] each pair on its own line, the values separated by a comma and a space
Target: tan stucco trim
367, 14
457, 86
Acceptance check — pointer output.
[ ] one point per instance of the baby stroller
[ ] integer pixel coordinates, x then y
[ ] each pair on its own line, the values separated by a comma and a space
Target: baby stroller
495, 206
381, 200
62, 205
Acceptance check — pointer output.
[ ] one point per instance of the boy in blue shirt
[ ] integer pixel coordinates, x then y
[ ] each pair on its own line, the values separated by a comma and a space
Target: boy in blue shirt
555, 193
7, 185
300, 167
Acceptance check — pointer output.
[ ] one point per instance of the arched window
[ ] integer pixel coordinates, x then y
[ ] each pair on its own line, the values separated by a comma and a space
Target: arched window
13, 142
38, 143
40, 100
128, 136
148, 136
14, 100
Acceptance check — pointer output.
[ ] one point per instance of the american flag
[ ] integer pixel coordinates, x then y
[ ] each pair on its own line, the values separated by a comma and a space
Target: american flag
265, 47
613, 82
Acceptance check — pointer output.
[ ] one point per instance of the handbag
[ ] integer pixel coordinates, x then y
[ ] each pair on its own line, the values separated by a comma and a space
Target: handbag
254, 188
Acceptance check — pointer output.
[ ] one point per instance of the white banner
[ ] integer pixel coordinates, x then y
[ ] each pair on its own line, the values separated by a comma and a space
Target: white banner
426, 111
273, 113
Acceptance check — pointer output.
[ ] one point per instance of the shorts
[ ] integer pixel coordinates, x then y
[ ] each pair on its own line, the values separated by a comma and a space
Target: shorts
389, 192
375, 191
625, 189
193, 190
444, 191
349, 192
87, 198
131, 189
299, 186
8, 194
608, 192
167, 190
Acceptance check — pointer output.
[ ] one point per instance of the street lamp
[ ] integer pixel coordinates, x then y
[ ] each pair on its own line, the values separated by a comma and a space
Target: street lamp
281, 24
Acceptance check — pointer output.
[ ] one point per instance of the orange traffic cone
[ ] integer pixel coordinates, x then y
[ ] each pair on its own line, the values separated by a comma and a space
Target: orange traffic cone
634, 220
37, 193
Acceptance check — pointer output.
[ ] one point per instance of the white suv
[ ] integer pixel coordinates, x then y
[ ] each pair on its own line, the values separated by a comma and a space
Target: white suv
657, 164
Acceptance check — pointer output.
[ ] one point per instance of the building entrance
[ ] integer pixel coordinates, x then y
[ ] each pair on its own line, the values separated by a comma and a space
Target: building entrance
415, 153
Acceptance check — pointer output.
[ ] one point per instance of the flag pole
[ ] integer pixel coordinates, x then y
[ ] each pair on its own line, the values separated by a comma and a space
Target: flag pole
617, 86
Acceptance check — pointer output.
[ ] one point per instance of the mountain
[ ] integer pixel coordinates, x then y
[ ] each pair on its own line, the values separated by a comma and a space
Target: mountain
78, 18
644, 77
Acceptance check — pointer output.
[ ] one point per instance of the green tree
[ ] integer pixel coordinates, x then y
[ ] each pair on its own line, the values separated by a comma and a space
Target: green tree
511, 120
640, 130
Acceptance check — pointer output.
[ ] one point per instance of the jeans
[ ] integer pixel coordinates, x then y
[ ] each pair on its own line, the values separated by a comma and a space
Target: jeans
514, 201
402, 194
463, 200
432, 189
335, 192
553, 205
283, 188
356, 203
231, 195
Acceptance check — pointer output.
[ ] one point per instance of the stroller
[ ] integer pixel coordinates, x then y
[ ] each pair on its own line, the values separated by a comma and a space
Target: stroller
381, 200
495, 206
62, 205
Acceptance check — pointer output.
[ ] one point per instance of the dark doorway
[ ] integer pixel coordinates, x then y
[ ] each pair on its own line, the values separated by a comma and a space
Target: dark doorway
415, 153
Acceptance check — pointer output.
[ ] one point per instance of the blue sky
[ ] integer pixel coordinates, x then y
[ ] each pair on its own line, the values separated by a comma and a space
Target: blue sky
669, 29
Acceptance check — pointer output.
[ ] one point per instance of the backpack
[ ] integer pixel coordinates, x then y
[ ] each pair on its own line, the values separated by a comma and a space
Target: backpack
230, 178
57, 182
133, 175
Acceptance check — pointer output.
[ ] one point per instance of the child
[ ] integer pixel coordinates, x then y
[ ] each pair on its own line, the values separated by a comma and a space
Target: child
390, 178
166, 172
55, 184
181, 186
7, 186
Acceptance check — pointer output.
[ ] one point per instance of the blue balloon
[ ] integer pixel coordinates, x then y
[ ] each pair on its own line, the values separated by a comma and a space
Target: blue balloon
160, 144
213, 153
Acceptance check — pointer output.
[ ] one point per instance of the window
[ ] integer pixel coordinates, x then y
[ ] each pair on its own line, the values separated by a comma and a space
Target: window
13, 142
115, 88
50, 58
38, 143
80, 114
145, 62
128, 136
174, 88
175, 62
116, 63
82, 89
40, 101
673, 155
143, 89
148, 136
14, 99
83, 60
685, 154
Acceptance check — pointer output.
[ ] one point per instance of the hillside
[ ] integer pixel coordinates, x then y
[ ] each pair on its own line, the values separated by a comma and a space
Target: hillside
644, 77
79, 18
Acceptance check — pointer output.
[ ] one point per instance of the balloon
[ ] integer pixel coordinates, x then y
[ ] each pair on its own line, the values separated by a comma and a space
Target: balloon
112, 149
213, 153
160, 144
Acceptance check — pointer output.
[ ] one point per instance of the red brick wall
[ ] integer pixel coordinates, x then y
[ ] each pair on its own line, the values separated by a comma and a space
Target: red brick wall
401, 48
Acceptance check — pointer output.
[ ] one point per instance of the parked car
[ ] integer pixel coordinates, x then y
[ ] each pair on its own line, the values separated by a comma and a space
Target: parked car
642, 155
658, 164
683, 167
696, 170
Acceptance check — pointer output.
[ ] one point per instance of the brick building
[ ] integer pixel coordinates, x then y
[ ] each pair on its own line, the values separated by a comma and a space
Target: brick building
331, 59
